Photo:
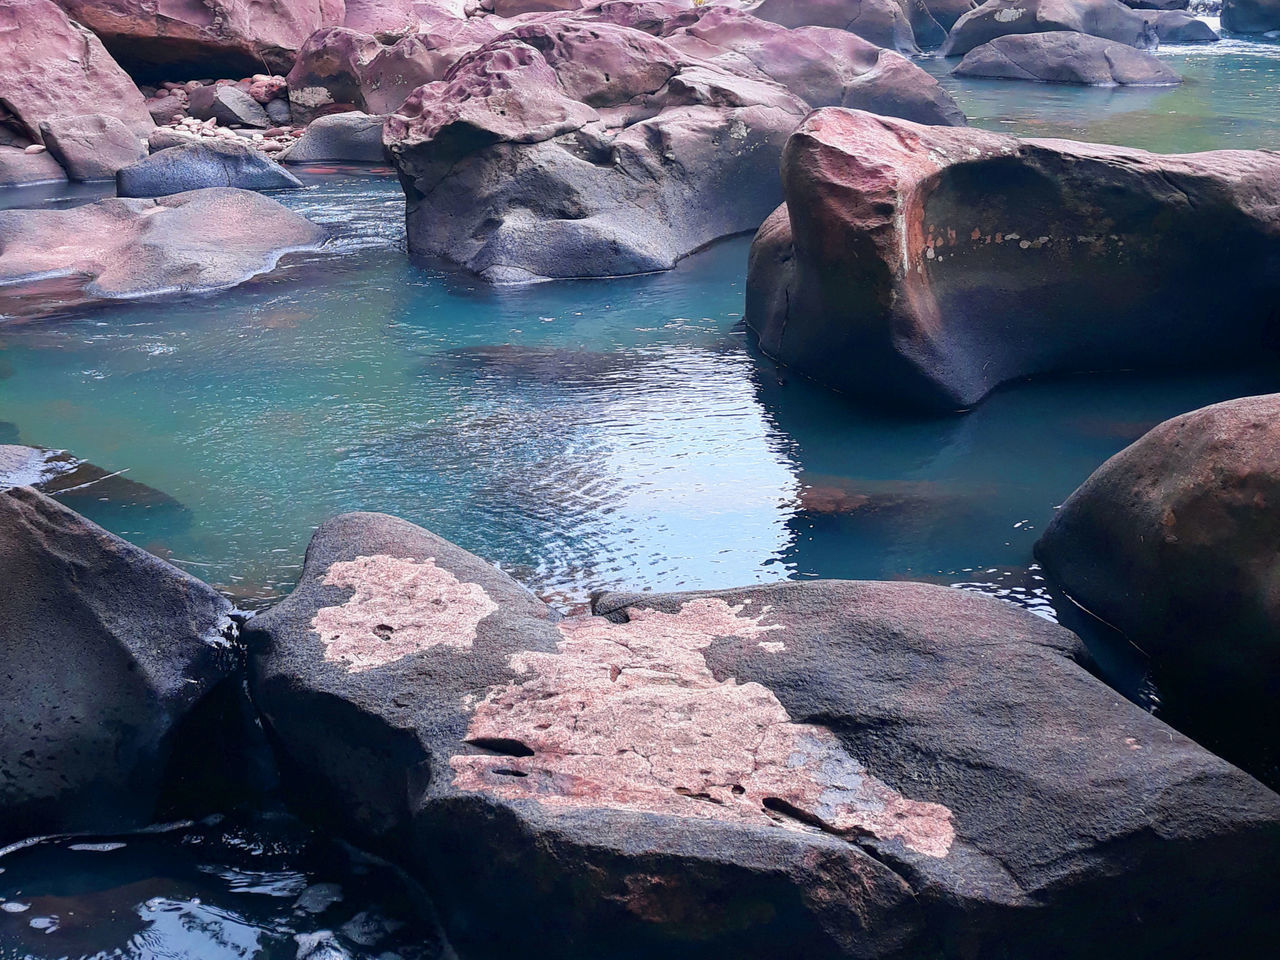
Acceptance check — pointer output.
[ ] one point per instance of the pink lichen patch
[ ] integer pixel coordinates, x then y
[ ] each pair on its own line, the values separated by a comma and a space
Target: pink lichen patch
630, 716
400, 607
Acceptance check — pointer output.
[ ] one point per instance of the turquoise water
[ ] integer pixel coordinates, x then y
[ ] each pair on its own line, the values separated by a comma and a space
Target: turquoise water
583, 435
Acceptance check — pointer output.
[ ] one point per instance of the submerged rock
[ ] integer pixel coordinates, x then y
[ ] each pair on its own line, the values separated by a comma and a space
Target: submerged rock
831, 769
107, 652
203, 163
1251, 16
91, 147
923, 266
1062, 57
120, 248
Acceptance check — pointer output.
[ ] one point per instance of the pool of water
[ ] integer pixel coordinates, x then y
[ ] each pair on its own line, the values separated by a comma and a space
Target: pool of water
583, 435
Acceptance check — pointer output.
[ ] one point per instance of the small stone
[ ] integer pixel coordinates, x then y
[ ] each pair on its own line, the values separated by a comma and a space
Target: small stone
34, 148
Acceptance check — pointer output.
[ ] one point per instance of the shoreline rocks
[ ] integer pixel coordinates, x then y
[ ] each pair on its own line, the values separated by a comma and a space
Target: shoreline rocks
204, 163
1061, 57
91, 147
876, 277
1250, 16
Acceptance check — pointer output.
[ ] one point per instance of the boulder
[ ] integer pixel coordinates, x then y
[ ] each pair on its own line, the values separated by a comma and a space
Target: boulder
883, 22
51, 67
91, 147
923, 266
18, 167
1062, 57
279, 113
165, 110
1109, 19
1172, 542
397, 16
1251, 16
570, 149
947, 12
158, 41
1157, 4
205, 163
822, 66
228, 105
108, 653
823, 769
349, 137
121, 248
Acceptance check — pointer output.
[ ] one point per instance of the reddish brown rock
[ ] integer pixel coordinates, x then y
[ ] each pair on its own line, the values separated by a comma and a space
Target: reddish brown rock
91, 147
51, 67
19, 167
886, 23
919, 266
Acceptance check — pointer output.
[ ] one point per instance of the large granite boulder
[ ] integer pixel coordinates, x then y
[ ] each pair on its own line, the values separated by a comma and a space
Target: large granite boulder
122, 248
341, 69
573, 149
91, 147
883, 22
345, 137
922, 266
18, 167
203, 163
1251, 16
1062, 57
51, 67
204, 37
821, 769
1173, 542
108, 654
1109, 19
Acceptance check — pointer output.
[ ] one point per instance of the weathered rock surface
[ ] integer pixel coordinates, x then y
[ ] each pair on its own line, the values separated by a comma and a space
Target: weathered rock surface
834, 769
947, 12
204, 163
91, 147
1172, 542
1062, 57
923, 266
19, 167
351, 137
120, 248
1250, 16
884, 22
227, 104
195, 37
1108, 19
570, 149
107, 651
51, 67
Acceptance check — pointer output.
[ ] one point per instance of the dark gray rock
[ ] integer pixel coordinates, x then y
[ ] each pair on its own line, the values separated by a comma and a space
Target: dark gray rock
229, 105
107, 652
19, 167
278, 112
91, 147
1062, 57
1251, 16
352, 137
205, 163
1157, 4
826, 770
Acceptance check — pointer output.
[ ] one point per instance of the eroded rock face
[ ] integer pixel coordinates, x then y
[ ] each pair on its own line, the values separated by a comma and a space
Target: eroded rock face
876, 277
51, 67
1108, 19
194, 37
1061, 57
120, 248
570, 149
1250, 16
108, 653
886, 23
847, 769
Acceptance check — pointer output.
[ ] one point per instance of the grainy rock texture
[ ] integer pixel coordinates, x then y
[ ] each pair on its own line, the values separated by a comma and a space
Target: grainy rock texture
192, 166
91, 147
876, 277
51, 67
19, 167
1062, 57
886, 23
352, 137
107, 651
120, 248
832, 769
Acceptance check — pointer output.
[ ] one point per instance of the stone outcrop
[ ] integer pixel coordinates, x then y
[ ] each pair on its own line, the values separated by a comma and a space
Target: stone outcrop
203, 163
122, 248
877, 276
1251, 16
204, 37
1062, 57
108, 654
91, 147
51, 67
827, 769
1109, 19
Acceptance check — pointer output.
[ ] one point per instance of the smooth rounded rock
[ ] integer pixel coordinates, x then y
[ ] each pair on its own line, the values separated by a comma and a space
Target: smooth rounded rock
18, 167
884, 22
91, 147
1061, 57
192, 166
347, 137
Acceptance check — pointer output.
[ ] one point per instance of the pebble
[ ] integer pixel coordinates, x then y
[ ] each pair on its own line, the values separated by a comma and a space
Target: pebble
34, 148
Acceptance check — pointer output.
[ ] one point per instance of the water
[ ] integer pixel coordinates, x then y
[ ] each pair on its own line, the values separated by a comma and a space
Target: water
583, 435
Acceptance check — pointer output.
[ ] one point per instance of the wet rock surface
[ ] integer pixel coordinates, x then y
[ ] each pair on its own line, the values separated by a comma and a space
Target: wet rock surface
853, 769
193, 166
189, 242
1251, 16
107, 652
18, 167
1061, 57
875, 277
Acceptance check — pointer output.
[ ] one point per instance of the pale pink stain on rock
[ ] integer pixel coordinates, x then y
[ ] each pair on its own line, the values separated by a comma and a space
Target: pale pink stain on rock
630, 716
400, 607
